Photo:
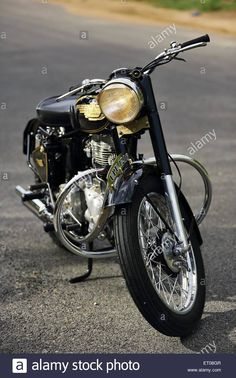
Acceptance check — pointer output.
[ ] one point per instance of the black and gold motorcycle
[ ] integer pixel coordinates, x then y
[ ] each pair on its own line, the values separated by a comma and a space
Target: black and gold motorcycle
98, 198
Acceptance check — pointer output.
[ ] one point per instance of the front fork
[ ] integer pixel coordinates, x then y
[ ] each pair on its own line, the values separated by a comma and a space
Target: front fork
161, 155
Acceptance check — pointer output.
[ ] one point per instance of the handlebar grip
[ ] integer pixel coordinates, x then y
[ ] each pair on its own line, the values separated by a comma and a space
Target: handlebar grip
203, 38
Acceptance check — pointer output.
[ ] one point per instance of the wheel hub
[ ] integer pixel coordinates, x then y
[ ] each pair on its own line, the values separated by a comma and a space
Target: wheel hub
168, 246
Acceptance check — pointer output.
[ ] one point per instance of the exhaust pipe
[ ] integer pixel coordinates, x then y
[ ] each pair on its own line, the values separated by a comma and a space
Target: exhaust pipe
36, 206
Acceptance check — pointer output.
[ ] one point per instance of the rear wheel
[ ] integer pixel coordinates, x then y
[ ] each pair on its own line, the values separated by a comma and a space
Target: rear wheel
55, 240
169, 291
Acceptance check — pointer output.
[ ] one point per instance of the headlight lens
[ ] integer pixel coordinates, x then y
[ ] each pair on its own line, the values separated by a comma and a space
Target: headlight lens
121, 101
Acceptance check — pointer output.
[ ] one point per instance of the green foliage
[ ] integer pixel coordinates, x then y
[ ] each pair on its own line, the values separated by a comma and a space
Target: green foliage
202, 5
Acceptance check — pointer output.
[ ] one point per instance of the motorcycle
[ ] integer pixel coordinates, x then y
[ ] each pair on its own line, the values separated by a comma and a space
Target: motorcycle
98, 198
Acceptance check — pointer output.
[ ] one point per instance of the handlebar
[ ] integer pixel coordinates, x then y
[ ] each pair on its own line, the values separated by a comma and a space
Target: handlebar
169, 54
163, 58
204, 38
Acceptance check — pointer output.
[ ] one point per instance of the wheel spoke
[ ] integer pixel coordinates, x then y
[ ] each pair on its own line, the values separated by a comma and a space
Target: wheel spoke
175, 290
73, 217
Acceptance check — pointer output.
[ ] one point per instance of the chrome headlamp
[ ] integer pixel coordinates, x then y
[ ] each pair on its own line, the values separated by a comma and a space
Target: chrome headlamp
120, 100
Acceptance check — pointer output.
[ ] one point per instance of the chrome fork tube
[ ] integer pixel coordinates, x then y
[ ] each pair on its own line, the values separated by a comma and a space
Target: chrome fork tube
173, 204
161, 156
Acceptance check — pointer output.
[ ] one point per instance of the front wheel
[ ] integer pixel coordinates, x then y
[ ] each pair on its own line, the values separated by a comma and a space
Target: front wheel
169, 293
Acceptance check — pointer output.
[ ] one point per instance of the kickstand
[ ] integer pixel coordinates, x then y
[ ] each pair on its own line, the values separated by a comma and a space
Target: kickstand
85, 275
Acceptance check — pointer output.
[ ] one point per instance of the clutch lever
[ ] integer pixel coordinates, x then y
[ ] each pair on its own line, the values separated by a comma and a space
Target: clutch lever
177, 49
182, 59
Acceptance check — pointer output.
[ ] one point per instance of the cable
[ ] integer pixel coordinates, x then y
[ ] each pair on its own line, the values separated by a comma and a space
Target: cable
155, 63
179, 173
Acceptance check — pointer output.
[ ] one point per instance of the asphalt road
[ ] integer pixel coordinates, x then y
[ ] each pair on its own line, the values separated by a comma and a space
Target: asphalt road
41, 55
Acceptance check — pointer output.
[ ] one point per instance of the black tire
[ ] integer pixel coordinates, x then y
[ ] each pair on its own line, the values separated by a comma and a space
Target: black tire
139, 284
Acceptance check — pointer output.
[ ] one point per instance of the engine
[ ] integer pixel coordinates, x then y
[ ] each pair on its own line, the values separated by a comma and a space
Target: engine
82, 206
93, 190
100, 148
84, 202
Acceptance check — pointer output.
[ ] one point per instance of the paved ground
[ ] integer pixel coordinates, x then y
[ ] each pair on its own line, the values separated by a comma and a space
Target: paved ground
42, 55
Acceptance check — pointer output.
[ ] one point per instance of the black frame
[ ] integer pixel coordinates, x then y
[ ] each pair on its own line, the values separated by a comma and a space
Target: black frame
155, 127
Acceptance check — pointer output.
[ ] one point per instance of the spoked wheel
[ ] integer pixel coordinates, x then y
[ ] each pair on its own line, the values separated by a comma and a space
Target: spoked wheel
169, 290
81, 222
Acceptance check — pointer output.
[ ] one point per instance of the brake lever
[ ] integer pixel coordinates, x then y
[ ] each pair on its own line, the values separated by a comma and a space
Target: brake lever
182, 59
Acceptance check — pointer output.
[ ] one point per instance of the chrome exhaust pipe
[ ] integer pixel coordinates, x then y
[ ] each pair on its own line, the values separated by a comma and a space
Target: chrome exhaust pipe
36, 206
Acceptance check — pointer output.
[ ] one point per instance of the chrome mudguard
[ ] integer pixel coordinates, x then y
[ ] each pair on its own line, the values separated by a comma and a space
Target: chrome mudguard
201, 214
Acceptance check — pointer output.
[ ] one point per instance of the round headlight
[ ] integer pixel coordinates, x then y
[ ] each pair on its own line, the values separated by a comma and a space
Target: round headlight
120, 100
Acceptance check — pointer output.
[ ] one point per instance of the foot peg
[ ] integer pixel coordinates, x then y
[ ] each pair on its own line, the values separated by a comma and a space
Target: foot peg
48, 227
29, 196
41, 185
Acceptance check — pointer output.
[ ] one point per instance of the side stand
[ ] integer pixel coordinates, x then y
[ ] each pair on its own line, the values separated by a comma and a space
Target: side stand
85, 275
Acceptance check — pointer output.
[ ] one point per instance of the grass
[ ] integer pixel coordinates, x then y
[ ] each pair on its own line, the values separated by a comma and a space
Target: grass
201, 5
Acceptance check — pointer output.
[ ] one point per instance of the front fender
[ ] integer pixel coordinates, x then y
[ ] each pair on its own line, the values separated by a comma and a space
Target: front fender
125, 184
125, 187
